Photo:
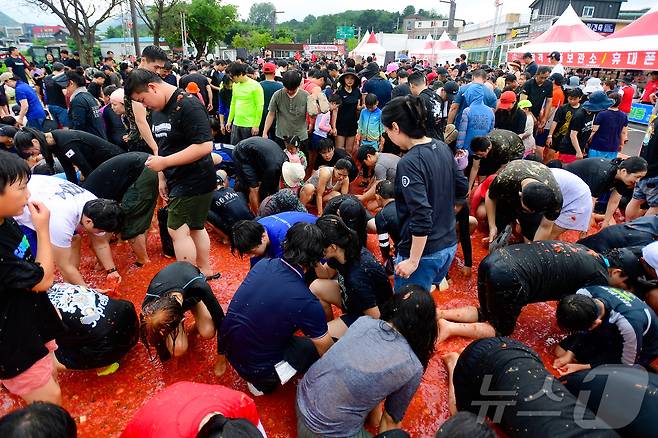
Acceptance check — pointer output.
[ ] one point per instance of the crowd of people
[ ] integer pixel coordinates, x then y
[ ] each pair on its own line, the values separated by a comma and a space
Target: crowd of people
294, 163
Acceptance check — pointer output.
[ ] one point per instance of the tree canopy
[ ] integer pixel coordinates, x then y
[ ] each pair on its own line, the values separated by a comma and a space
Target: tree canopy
260, 14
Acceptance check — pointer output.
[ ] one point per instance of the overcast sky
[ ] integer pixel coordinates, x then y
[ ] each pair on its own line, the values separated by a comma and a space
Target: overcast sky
469, 10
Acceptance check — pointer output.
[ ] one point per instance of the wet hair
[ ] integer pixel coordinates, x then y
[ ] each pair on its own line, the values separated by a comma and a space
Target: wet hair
543, 69
554, 164
245, 236
326, 144
480, 144
409, 113
481, 74
100, 74
633, 165
158, 320
106, 214
214, 124
226, 93
23, 141
303, 244
109, 90
412, 312
316, 74
138, 81
343, 164
218, 426
417, 78
464, 424
574, 92
385, 189
335, 98
371, 99
8, 120
335, 232
616, 97
291, 79
76, 78
12, 170
154, 53
536, 195
39, 419
237, 69
402, 73
576, 313
364, 151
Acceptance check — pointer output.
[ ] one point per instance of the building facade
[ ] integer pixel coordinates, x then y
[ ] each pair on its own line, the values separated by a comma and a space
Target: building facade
606, 9
418, 27
511, 30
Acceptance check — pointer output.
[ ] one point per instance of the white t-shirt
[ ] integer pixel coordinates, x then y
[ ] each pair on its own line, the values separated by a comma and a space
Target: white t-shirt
558, 68
65, 201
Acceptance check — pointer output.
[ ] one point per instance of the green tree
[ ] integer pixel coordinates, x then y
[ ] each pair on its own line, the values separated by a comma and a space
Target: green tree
252, 41
351, 44
207, 21
260, 14
153, 13
409, 10
114, 32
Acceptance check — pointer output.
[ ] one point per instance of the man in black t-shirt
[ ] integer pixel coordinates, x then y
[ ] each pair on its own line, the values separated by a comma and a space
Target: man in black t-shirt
29, 322
202, 82
227, 207
638, 232
539, 91
560, 127
54, 85
574, 143
506, 380
386, 222
328, 155
517, 275
126, 180
182, 131
14, 62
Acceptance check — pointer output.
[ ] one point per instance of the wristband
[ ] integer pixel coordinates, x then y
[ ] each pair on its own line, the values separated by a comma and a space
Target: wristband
109, 271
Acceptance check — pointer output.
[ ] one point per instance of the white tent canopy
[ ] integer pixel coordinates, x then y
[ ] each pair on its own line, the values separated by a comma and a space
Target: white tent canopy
369, 46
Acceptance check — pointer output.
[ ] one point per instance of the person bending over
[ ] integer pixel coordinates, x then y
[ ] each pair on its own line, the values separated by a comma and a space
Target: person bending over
386, 222
358, 282
493, 151
327, 183
517, 275
258, 333
218, 411
608, 326
264, 238
638, 232
174, 290
376, 360
506, 379
376, 166
227, 207
75, 207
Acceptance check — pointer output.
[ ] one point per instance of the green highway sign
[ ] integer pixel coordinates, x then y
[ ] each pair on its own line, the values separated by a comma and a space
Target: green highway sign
344, 32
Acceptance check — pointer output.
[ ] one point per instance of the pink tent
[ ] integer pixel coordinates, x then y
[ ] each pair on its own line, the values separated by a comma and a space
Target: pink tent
567, 31
438, 51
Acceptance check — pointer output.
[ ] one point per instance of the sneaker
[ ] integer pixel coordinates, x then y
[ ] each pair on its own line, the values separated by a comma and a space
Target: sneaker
254, 391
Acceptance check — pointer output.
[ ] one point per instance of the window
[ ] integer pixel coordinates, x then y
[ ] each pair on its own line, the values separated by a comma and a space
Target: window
588, 11
535, 14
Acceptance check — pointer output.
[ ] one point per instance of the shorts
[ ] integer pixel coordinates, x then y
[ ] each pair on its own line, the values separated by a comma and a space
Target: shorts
34, 377
239, 133
576, 214
315, 142
432, 269
647, 190
501, 298
138, 204
304, 432
189, 210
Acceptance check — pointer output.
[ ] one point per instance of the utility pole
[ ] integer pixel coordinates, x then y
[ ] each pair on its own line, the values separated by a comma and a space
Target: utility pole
133, 17
183, 27
492, 45
451, 17
274, 21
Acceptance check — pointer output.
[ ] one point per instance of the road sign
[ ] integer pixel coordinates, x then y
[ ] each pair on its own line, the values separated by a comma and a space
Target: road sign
344, 32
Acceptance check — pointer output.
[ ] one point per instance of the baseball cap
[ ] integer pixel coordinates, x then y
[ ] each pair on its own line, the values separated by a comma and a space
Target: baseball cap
6, 76
625, 79
451, 87
269, 67
555, 55
507, 100
432, 76
527, 55
393, 66
292, 173
524, 104
442, 71
8, 131
650, 255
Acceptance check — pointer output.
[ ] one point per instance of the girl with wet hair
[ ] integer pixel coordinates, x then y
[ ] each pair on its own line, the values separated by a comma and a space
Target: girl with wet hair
376, 360
358, 283
176, 289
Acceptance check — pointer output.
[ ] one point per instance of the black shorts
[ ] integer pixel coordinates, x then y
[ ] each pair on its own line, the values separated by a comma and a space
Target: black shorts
529, 222
501, 297
595, 348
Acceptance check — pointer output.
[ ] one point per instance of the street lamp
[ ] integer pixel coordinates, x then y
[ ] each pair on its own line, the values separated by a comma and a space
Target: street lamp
274, 21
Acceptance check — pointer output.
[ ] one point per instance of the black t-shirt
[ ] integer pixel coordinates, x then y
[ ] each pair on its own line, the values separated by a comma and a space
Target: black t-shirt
505, 188
581, 122
113, 178
401, 90
366, 284
338, 154
387, 222
514, 121
114, 128
509, 379
95, 90
54, 92
27, 319
650, 152
17, 67
227, 208
84, 114
537, 94
84, 150
185, 278
532, 68
506, 146
181, 123
563, 116
198, 79
598, 174
98, 330
547, 270
261, 154
434, 113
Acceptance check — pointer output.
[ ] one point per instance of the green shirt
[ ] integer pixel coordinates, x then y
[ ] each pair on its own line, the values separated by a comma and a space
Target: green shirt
290, 113
246, 104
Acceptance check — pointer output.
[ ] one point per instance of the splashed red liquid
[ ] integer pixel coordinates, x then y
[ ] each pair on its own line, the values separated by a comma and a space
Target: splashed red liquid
103, 405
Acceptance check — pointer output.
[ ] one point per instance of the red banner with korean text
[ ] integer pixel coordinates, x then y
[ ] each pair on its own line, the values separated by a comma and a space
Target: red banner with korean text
639, 60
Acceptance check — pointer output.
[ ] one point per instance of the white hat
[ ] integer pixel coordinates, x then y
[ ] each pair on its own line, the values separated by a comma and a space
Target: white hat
592, 85
293, 173
650, 255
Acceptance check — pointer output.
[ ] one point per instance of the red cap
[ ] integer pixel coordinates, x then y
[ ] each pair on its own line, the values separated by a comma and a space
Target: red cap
507, 100
431, 77
269, 67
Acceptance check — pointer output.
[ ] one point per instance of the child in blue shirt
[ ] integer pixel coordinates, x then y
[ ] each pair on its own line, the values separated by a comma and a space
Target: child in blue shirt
370, 129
